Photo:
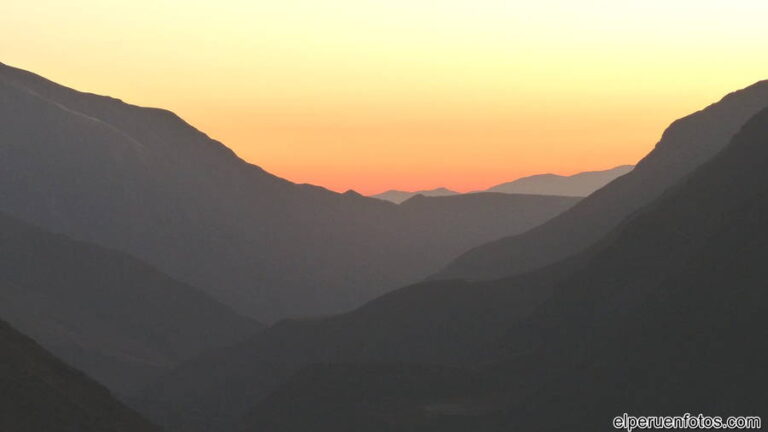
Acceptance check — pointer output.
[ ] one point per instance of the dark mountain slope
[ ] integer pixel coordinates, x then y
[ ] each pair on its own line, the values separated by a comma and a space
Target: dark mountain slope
367, 397
104, 312
452, 323
684, 146
143, 181
39, 393
581, 184
446, 224
666, 315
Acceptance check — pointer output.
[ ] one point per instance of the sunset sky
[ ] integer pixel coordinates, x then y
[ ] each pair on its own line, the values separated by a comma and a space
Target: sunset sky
407, 94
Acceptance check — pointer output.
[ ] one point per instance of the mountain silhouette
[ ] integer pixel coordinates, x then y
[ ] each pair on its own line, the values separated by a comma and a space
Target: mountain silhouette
665, 313
39, 393
684, 146
119, 320
581, 184
450, 323
398, 196
577, 185
142, 181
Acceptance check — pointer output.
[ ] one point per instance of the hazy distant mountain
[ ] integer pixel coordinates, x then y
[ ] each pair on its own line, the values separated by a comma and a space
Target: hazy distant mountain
684, 146
577, 185
108, 314
143, 181
581, 184
672, 303
38, 393
398, 196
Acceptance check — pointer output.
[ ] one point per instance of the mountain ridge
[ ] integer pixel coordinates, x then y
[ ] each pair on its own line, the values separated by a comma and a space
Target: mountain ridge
578, 185
399, 196
116, 318
143, 181
684, 146
663, 315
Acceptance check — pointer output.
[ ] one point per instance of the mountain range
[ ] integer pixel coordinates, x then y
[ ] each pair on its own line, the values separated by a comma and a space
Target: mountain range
666, 315
576, 185
144, 182
135, 252
664, 312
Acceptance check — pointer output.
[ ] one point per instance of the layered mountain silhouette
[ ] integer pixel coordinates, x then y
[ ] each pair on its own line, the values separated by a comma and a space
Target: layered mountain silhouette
144, 182
581, 184
684, 146
39, 393
453, 323
398, 196
646, 297
120, 320
664, 314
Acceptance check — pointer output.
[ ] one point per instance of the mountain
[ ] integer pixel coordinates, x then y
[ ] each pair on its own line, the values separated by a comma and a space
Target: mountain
452, 323
39, 393
119, 320
684, 146
581, 184
577, 185
398, 196
668, 313
368, 397
665, 314
433, 323
142, 181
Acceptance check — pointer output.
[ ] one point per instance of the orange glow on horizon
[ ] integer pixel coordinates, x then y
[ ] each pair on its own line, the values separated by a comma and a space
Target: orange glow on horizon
403, 94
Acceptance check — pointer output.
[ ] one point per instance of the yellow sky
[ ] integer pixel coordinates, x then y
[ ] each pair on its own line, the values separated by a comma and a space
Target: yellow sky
406, 94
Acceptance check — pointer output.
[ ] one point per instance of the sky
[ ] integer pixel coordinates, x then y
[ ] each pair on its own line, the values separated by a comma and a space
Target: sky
404, 94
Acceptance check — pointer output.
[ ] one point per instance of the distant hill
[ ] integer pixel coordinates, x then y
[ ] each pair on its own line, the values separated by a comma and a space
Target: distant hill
119, 320
665, 314
577, 185
581, 184
684, 146
142, 181
39, 393
398, 196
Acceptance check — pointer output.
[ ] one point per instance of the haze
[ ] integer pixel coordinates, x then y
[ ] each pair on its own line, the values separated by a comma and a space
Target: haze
375, 95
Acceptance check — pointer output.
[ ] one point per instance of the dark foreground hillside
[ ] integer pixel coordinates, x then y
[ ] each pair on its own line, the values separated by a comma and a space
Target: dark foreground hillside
38, 393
